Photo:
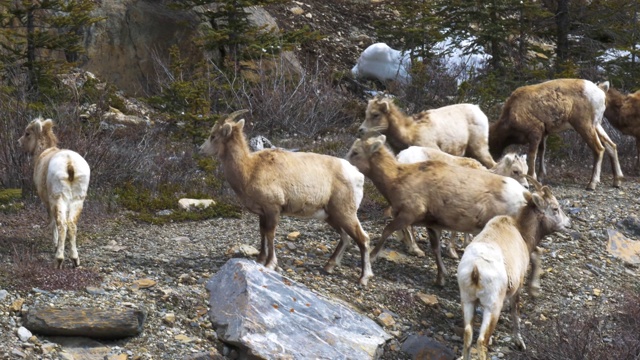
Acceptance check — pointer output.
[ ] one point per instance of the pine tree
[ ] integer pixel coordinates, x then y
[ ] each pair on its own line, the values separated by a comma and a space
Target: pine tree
42, 37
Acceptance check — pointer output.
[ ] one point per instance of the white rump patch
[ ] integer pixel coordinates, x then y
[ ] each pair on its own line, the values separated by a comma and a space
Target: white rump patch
356, 178
597, 97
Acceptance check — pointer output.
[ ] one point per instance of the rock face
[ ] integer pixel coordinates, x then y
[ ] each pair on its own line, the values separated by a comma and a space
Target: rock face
122, 48
270, 316
89, 322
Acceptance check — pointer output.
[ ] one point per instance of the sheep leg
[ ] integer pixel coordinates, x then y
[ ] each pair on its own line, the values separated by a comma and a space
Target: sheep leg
490, 317
468, 312
515, 321
410, 242
434, 240
401, 221
60, 213
74, 216
262, 256
542, 147
531, 156
612, 150
534, 277
590, 136
338, 253
268, 233
450, 245
637, 166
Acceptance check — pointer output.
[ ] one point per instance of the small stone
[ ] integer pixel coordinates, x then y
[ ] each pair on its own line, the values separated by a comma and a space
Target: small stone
24, 334
542, 317
386, 319
3, 294
308, 15
144, 283
184, 338
291, 246
170, 318
122, 356
18, 353
449, 315
293, 235
297, 10
430, 300
17, 305
95, 290
597, 292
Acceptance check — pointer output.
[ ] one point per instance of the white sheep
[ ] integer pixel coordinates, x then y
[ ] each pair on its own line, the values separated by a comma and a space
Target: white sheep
511, 165
533, 112
460, 129
434, 194
62, 179
274, 182
494, 265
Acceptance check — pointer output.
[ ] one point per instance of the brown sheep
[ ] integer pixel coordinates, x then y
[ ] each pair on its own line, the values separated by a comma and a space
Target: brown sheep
460, 129
434, 194
275, 182
534, 112
623, 112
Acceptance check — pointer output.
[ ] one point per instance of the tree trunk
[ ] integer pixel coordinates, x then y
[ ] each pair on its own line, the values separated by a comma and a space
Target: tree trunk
562, 42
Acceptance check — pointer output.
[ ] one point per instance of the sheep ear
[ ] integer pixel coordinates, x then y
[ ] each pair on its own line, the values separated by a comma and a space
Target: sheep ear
604, 86
240, 124
226, 129
538, 201
385, 107
47, 125
508, 160
523, 157
378, 142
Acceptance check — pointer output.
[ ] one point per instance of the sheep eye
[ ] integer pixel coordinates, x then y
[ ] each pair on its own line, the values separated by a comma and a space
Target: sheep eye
355, 153
516, 172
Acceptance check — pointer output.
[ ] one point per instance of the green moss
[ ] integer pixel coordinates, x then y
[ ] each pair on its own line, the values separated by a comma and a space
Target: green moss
9, 200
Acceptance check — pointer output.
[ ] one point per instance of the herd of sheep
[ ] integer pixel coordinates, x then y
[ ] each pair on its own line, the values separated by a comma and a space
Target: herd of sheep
435, 168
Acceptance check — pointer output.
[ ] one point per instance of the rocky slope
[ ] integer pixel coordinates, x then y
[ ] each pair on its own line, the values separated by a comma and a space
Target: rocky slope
580, 275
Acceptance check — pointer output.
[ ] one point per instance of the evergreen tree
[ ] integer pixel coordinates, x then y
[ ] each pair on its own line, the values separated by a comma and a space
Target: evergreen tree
42, 37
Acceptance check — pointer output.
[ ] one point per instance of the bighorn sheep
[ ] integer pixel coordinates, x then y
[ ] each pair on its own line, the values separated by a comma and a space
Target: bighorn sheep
434, 194
623, 112
533, 112
494, 265
62, 179
511, 165
460, 129
274, 182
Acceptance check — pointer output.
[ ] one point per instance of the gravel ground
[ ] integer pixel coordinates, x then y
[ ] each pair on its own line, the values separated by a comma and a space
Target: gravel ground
181, 257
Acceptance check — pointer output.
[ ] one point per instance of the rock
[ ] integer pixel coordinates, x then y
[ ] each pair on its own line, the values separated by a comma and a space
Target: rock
188, 204
386, 319
96, 323
16, 306
80, 348
297, 10
3, 294
631, 224
623, 248
274, 317
95, 290
293, 235
212, 354
144, 283
169, 318
24, 334
243, 250
430, 300
423, 347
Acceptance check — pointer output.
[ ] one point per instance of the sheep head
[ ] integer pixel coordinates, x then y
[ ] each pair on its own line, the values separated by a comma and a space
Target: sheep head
360, 153
376, 116
38, 136
552, 217
221, 132
514, 166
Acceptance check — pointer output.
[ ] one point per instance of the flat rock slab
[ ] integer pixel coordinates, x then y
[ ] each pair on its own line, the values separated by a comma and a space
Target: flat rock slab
272, 317
87, 322
623, 248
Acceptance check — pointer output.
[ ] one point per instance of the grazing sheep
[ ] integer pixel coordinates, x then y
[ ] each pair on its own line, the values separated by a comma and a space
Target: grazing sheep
533, 112
434, 194
494, 265
623, 112
460, 129
511, 165
62, 179
274, 182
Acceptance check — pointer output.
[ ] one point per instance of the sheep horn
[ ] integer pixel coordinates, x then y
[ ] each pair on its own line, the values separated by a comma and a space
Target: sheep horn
535, 182
235, 114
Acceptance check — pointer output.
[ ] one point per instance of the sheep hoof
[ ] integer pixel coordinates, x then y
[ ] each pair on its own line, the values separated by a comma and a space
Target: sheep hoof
440, 281
617, 183
59, 263
329, 268
520, 343
363, 281
451, 253
534, 291
417, 252
591, 186
76, 262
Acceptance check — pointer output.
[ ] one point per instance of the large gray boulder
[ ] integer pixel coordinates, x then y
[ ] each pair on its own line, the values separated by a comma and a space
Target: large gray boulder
270, 316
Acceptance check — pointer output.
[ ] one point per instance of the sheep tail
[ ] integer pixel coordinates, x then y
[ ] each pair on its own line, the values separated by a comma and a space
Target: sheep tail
71, 171
475, 276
